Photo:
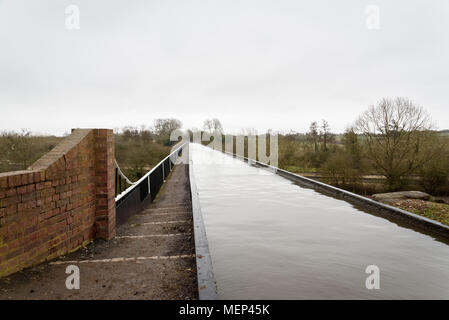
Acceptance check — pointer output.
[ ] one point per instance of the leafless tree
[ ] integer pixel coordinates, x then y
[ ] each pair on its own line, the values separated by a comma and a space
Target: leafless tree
213, 125
164, 127
313, 134
325, 134
397, 136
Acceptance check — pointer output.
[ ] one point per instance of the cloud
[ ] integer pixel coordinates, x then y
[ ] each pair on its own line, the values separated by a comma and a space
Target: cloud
258, 64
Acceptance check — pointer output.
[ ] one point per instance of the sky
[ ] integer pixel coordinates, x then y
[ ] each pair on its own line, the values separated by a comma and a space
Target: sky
276, 64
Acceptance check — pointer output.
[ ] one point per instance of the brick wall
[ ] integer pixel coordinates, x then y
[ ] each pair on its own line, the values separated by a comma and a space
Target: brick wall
63, 201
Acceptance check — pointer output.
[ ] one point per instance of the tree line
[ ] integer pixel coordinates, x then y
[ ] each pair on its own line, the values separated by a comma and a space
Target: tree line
394, 139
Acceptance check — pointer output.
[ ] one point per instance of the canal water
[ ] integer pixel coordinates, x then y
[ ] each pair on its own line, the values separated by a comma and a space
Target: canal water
272, 239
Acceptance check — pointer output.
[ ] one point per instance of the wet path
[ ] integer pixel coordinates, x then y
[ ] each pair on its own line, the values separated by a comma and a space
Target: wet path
271, 239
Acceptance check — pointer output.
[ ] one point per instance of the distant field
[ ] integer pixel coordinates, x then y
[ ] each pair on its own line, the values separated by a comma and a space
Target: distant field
19, 151
135, 155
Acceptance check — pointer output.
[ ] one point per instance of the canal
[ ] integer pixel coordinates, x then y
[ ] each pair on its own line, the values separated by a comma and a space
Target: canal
272, 239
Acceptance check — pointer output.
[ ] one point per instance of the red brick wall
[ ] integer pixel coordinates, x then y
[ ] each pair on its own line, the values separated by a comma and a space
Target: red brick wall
63, 201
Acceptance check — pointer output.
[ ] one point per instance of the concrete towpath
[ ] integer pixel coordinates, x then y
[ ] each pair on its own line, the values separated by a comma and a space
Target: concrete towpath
152, 257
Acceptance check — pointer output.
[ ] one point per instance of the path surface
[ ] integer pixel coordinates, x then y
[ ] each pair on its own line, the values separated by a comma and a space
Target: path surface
152, 257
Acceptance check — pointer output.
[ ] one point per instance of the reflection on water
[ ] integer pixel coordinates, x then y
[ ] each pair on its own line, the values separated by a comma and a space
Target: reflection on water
271, 239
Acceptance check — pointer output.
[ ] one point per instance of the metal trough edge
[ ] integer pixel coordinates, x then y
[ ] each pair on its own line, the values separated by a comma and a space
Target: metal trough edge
207, 289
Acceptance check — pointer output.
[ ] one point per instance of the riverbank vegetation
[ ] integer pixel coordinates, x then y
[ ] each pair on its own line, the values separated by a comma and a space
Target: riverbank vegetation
394, 140
435, 211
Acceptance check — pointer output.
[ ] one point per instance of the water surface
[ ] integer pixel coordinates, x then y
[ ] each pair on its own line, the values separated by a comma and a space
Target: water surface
272, 239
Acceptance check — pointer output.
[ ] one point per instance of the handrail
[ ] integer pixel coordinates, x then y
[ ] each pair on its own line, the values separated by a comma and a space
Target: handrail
134, 185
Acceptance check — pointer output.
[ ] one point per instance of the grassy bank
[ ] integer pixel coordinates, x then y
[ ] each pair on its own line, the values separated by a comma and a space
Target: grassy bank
435, 211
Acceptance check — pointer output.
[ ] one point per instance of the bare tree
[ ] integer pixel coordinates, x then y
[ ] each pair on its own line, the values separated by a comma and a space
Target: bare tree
166, 126
163, 129
312, 135
212, 125
397, 137
325, 134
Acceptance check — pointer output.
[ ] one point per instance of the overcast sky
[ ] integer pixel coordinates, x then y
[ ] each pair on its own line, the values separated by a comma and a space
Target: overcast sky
253, 64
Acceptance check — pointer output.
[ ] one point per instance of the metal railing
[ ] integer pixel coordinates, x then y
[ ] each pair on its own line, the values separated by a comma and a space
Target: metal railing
143, 191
